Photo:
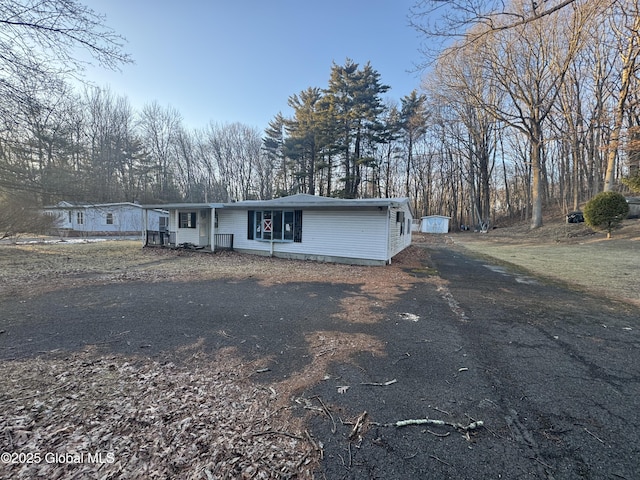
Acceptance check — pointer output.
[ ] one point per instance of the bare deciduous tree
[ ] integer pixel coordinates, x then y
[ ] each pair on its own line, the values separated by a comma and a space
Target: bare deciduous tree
625, 22
40, 45
159, 127
42, 38
463, 22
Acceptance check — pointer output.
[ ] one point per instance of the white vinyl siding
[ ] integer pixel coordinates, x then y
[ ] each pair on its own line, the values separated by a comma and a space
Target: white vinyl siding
185, 235
369, 232
126, 218
351, 234
342, 233
399, 231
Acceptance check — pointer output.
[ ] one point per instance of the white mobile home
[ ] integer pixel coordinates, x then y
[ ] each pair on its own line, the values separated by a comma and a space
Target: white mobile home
104, 219
358, 231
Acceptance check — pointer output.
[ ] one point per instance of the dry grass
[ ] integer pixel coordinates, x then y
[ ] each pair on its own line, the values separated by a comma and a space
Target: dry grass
571, 253
32, 269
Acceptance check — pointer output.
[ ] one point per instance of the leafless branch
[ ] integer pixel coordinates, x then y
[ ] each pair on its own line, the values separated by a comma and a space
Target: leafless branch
447, 24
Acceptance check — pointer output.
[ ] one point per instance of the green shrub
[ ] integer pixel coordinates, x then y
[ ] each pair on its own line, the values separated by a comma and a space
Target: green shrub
606, 211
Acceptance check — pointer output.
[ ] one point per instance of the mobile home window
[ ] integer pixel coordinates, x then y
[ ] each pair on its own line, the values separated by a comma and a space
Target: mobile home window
109, 218
80, 218
400, 220
278, 225
187, 220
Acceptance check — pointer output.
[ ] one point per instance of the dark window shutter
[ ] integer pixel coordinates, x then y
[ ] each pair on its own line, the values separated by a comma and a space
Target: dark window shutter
250, 224
297, 222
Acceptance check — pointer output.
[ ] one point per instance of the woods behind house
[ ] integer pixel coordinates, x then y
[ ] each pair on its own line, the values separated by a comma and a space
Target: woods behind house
507, 122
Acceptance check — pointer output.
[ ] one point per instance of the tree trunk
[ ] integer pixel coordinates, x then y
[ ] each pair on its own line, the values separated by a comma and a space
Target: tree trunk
536, 173
628, 66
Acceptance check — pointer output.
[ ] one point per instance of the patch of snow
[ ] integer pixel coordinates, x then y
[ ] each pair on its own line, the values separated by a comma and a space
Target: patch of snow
65, 241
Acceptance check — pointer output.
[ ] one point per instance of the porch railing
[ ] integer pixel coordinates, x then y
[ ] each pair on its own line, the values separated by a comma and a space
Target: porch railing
155, 237
223, 241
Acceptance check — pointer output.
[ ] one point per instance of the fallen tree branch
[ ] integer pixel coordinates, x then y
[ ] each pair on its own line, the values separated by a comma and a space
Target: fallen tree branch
406, 356
277, 432
328, 413
440, 410
439, 460
358, 426
594, 436
385, 384
428, 421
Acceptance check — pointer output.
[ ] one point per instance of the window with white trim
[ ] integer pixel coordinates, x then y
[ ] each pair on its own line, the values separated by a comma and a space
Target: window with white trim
80, 218
109, 218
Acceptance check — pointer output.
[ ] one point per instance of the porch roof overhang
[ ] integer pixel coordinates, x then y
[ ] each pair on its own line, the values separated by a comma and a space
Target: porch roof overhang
299, 201
183, 206
310, 202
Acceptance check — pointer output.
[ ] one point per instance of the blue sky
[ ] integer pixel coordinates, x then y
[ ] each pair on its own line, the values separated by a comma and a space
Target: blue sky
240, 60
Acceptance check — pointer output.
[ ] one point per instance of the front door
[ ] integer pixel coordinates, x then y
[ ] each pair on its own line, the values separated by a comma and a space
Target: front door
204, 228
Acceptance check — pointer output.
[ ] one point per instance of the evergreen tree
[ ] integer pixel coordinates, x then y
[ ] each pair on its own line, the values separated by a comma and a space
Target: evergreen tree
389, 136
304, 142
273, 145
413, 121
606, 211
354, 96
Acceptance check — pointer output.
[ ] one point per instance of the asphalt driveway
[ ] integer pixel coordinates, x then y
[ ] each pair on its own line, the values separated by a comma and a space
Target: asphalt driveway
552, 373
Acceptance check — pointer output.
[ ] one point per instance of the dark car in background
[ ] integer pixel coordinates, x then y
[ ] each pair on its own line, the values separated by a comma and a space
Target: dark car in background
575, 217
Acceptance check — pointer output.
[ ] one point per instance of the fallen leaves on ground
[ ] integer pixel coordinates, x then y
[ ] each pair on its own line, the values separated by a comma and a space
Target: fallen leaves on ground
130, 418
206, 418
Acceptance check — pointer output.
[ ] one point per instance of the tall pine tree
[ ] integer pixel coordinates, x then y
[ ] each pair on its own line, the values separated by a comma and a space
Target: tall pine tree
304, 142
354, 96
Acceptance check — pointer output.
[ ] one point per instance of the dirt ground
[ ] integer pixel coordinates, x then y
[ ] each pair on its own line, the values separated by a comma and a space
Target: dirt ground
173, 364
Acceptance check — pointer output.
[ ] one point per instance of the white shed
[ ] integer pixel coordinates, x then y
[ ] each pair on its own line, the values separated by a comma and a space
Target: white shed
434, 224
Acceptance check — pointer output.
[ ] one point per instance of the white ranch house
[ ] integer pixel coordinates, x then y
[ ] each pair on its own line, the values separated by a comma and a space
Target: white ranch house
358, 231
105, 219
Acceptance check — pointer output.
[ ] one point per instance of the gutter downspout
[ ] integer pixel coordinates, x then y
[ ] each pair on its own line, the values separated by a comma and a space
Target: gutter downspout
387, 233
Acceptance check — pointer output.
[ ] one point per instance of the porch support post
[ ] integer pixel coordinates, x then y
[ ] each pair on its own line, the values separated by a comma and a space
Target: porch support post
145, 224
176, 219
212, 233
